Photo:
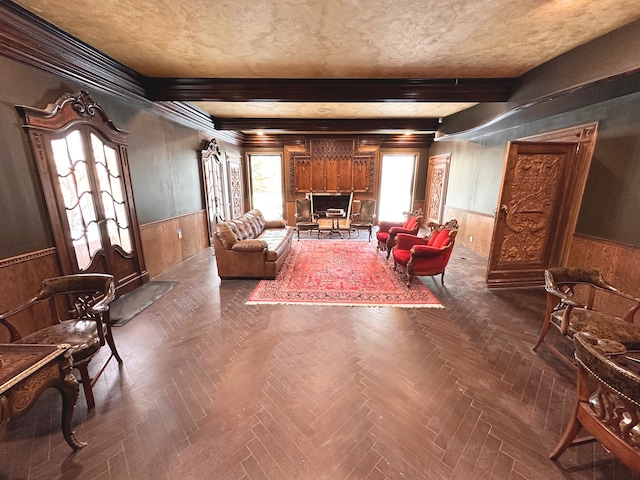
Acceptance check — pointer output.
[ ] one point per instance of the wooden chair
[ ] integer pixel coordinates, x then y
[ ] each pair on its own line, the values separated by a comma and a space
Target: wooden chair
570, 315
306, 219
78, 307
363, 220
607, 398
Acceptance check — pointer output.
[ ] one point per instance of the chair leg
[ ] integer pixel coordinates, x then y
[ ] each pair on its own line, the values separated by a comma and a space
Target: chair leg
442, 278
112, 346
543, 333
83, 368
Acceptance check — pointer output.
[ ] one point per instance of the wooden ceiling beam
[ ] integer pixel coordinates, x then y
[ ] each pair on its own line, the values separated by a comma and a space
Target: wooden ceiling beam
328, 125
330, 89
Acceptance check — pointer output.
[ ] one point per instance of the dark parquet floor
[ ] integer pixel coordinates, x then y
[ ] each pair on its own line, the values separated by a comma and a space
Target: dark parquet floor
213, 389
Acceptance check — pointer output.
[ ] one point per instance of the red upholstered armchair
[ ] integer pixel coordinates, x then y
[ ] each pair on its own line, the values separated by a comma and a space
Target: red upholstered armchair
387, 231
425, 256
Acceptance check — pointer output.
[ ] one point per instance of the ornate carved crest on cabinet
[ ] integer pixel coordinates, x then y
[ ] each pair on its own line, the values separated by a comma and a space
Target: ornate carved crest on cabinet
331, 165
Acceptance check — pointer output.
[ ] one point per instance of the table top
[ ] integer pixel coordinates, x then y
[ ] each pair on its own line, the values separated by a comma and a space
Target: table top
21, 360
335, 213
611, 362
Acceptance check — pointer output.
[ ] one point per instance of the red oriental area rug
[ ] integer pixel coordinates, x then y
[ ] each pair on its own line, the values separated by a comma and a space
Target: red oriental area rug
340, 272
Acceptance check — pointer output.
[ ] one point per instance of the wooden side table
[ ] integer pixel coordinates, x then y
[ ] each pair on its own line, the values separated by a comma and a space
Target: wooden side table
26, 370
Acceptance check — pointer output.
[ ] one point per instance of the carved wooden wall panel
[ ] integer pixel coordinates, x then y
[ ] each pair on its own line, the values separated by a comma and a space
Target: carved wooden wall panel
236, 190
345, 175
20, 278
363, 173
317, 175
302, 173
437, 177
336, 165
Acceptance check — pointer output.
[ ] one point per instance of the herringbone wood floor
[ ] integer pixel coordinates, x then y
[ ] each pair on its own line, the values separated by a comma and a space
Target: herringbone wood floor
214, 389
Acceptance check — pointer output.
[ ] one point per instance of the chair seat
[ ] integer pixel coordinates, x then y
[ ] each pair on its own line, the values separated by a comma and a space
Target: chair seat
307, 225
401, 257
81, 335
600, 325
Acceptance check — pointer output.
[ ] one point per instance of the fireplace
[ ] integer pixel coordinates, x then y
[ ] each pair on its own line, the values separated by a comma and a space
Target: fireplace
323, 201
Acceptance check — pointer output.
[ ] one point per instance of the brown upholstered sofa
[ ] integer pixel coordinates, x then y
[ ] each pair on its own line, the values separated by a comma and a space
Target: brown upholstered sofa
250, 246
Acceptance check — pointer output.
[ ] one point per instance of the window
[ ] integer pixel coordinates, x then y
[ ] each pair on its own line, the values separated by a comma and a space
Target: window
396, 186
266, 184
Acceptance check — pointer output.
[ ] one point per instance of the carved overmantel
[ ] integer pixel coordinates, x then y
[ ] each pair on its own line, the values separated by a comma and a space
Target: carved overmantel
332, 165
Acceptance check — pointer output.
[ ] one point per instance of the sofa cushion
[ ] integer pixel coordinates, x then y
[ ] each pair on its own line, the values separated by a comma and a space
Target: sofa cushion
242, 228
254, 222
250, 246
225, 234
441, 239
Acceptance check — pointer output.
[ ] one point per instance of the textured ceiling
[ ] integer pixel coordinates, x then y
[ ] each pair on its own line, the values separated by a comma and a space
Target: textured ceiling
334, 39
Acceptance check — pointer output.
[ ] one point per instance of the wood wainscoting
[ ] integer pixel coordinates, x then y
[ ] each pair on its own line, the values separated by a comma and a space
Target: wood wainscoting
476, 229
618, 263
164, 247
20, 278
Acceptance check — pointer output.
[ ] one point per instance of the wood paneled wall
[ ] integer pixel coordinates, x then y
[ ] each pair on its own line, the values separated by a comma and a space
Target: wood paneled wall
617, 262
478, 226
162, 246
20, 278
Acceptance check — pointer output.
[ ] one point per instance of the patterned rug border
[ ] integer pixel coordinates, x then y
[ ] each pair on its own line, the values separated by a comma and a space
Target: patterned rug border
435, 303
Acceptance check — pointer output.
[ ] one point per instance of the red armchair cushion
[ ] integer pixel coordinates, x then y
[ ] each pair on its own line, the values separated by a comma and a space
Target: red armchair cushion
401, 257
410, 224
382, 236
439, 239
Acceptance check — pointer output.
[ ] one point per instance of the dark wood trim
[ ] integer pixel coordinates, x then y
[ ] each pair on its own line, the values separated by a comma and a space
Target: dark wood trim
29, 39
328, 125
385, 141
26, 257
330, 89
26, 38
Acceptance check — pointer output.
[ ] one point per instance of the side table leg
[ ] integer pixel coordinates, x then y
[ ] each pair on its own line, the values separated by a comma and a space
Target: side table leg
69, 389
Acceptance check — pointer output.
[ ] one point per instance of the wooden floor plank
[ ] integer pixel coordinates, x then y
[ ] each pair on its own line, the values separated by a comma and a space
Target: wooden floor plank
213, 388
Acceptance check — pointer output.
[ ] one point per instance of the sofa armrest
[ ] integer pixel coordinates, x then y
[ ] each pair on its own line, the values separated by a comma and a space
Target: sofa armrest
250, 246
275, 223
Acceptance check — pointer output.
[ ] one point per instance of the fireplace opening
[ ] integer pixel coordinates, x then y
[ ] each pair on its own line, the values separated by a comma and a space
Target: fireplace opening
324, 201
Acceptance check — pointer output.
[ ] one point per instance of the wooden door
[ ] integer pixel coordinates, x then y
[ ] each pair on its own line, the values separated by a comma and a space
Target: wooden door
437, 178
539, 181
82, 161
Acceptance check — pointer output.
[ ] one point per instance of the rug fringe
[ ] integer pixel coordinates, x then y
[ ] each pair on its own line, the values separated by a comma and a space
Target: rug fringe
324, 304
